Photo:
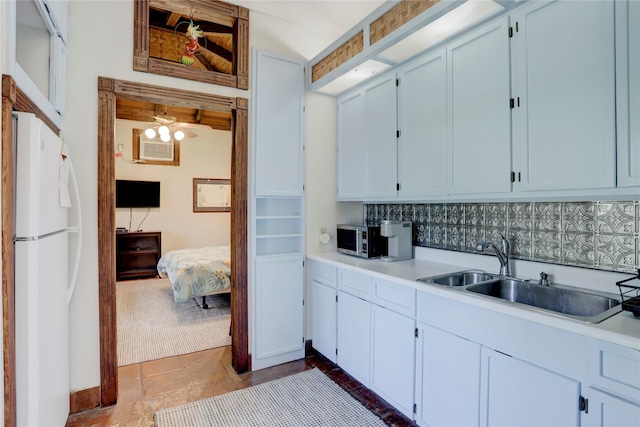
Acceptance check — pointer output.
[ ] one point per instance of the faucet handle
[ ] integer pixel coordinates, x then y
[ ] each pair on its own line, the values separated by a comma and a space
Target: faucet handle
544, 279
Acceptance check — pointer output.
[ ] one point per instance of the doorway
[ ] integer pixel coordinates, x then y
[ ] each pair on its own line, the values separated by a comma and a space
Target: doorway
110, 91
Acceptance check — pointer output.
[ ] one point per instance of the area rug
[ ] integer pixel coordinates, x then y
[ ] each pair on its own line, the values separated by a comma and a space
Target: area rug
305, 399
152, 326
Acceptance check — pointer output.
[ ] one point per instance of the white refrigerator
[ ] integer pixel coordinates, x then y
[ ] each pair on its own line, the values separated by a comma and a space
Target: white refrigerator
43, 288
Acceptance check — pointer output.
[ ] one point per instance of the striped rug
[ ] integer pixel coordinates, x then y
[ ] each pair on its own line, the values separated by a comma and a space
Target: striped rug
305, 399
152, 326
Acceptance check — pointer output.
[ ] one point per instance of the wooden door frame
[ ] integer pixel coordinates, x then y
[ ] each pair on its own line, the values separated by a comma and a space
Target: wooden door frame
109, 90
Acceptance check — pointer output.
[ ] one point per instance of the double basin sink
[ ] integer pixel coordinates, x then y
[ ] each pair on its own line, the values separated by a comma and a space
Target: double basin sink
585, 305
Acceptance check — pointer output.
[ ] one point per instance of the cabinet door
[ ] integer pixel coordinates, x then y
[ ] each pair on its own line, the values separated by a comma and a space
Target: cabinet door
447, 379
422, 120
607, 410
279, 320
354, 336
628, 92
564, 86
351, 146
393, 358
516, 393
279, 131
381, 152
479, 115
323, 319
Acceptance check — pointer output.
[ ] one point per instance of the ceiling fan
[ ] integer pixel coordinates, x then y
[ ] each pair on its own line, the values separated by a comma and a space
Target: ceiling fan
168, 127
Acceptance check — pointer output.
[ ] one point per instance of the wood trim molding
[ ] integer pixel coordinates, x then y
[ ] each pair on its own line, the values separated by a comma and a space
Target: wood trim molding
109, 91
8, 254
83, 400
217, 11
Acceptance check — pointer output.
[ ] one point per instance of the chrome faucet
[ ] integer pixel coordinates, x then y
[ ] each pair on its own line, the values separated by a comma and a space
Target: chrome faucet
502, 254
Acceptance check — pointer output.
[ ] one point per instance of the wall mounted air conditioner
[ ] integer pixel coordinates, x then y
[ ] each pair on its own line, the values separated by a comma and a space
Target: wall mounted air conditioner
156, 150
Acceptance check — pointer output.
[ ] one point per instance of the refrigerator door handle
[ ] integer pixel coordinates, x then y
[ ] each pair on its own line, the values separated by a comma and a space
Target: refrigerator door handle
77, 229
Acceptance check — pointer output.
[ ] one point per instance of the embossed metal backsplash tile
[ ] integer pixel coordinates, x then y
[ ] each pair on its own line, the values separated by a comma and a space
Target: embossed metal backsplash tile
600, 235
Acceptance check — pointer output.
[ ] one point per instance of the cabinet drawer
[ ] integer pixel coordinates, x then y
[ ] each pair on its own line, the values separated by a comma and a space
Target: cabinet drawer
355, 284
323, 273
615, 368
395, 296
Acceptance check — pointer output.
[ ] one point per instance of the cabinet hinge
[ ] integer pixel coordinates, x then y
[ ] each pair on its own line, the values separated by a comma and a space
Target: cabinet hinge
397, 82
510, 31
303, 340
415, 408
416, 332
397, 134
336, 298
512, 103
303, 263
518, 102
302, 302
516, 26
519, 177
398, 186
583, 404
336, 351
513, 177
302, 187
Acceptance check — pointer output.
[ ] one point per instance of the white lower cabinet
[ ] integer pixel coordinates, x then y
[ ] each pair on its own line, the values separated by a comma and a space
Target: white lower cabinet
279, 322
447, 379
323, 319
608, 410
354, 336
393, 358
444, 362
517, 393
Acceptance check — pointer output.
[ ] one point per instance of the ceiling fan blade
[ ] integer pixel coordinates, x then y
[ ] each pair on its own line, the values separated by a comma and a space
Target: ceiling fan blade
188, 133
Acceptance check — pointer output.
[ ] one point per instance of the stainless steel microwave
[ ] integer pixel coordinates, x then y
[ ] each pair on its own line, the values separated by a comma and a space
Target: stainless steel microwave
363, 241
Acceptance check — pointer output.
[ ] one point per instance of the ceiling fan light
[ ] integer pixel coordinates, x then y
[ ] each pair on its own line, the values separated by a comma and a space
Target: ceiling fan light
165, 137
150, 133
178, 135
163, 130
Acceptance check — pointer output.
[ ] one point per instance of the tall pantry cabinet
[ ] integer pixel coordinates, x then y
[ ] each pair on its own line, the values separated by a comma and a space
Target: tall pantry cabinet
277, 210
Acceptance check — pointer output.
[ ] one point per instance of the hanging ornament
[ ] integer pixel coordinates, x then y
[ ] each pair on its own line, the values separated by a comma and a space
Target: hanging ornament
191, 46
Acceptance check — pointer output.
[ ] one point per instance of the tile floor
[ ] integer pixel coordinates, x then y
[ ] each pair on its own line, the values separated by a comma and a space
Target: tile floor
147, 387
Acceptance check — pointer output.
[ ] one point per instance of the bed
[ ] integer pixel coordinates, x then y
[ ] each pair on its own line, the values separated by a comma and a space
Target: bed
197, 272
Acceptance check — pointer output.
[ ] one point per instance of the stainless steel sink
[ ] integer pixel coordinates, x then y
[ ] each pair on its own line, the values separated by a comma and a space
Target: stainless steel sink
461, 278
588, 306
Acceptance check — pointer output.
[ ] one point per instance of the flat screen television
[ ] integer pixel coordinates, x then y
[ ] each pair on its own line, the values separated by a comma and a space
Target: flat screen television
137, 194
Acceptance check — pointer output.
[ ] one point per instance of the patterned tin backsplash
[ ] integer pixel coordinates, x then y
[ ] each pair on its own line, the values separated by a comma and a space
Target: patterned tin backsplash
599, 235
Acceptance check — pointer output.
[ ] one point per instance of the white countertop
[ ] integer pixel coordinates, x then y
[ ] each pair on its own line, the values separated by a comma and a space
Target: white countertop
621, 329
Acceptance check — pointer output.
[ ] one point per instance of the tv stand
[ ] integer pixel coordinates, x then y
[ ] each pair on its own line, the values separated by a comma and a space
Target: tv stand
137, 254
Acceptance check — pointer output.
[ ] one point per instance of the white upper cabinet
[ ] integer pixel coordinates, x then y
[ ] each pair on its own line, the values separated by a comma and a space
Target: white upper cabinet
59, 11
628, 92
381, 165
279, 124
351, 146
479, 114
422, 121
367, 141
564, 91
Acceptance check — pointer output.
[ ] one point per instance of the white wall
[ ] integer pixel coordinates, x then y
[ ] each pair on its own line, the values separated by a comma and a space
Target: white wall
206, 156
101, 44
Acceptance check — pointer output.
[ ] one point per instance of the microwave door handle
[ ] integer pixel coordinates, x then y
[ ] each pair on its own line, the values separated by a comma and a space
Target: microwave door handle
359, 242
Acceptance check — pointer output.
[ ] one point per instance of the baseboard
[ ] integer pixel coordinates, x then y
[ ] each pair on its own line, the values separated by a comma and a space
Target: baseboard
83, 400
308, 350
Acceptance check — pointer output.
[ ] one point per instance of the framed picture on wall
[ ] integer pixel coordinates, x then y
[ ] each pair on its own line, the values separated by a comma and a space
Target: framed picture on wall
211, 195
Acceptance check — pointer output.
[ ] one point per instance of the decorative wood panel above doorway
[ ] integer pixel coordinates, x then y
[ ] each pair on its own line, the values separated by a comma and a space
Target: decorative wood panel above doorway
201, 40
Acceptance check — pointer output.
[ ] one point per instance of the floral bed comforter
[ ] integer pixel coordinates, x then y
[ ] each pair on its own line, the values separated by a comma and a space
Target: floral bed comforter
197, 272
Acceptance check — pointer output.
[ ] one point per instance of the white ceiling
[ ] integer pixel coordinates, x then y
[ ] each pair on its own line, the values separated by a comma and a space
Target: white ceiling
317, 23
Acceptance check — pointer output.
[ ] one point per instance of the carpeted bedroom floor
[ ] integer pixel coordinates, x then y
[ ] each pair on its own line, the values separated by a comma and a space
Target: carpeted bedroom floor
151, 325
